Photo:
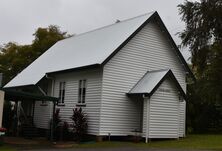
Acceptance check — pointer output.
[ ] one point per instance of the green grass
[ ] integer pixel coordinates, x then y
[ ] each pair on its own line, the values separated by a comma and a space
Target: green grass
190, 142
206, 142
211, 142
6, 148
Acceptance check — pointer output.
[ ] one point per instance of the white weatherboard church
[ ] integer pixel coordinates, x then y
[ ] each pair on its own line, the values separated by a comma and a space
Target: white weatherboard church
126, 76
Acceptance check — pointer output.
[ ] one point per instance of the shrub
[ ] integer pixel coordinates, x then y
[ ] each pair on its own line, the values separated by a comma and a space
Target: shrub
60, 128
56, 124
57, 118
79, 123
65, 131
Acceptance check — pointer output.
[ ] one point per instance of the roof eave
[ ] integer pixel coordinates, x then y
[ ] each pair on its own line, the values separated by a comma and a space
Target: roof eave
18, 86
75, 69
187, 68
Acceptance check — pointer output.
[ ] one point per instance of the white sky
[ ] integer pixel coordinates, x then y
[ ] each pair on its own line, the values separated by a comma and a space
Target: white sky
20, 18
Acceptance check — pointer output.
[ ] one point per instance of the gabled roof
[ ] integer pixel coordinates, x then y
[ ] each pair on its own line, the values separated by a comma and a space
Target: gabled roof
152, 80
89, 49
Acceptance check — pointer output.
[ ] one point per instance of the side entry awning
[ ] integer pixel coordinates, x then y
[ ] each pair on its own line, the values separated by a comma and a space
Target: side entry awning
13, 95
151, 81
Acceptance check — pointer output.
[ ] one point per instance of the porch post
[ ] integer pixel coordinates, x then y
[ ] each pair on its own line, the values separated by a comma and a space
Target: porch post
18, 116
52, 125
33, 111
147, 99
2, 96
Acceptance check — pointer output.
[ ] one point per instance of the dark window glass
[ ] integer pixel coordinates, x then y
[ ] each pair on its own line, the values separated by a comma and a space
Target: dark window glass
82, 91
62, 86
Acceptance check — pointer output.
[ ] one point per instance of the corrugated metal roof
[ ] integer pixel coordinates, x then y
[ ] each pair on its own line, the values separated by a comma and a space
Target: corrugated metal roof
148, 82
151, 81
86, 49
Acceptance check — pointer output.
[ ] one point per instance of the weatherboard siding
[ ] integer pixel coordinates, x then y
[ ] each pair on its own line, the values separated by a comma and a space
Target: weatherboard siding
164, 112
182, 118
42, 114
93, 96
147, 50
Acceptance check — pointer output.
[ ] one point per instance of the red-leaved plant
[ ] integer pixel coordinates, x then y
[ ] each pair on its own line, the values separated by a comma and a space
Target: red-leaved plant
79, 123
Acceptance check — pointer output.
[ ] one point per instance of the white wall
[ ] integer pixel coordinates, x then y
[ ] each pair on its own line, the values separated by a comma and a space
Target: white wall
93, 96
42, 115
163, 112
43, 112
148, 50
93, 99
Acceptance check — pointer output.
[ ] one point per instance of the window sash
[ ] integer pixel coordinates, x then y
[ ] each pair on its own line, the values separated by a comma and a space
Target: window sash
61, 92
82, 91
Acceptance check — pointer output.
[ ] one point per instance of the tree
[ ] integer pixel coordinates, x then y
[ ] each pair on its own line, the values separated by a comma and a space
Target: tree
203, 31
46, 37
203, 36
14, 57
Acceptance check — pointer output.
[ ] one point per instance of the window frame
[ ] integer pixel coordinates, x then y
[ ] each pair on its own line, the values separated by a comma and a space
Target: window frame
82, 86
62, 89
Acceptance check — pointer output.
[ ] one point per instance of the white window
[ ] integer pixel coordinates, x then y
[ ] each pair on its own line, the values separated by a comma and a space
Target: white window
62, 86
82, 91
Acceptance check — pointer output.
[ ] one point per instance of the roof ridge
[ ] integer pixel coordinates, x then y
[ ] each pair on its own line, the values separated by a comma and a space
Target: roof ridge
99, 28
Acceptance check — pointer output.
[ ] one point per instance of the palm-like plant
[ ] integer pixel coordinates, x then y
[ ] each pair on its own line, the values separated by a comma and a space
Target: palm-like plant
79, 123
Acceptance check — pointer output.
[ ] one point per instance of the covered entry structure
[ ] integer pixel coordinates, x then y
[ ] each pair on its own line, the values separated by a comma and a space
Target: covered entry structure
24, 104
164, 105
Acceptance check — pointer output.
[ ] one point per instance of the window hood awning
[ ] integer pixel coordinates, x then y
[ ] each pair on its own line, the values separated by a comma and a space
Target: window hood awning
151, 81
12, 95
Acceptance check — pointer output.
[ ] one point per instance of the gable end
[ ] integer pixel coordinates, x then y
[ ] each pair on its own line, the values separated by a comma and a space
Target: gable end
157, 18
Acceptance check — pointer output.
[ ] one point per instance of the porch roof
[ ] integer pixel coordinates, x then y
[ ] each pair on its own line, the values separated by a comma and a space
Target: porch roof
13, 95
152, 80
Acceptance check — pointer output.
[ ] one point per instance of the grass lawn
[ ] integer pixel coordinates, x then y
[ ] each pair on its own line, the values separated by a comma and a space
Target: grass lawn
6, 148
211, 142
207, 142
190, 142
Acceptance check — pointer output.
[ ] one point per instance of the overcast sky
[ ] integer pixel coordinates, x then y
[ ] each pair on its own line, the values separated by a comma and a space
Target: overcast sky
20, 18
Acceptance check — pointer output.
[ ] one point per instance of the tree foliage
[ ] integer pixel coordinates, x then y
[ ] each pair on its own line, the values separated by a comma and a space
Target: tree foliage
203, 31
203, 36
14, 57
